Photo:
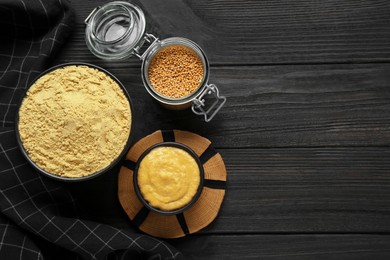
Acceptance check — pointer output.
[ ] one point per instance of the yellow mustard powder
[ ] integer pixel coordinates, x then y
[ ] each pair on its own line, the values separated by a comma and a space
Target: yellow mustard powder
74, 121
168, 178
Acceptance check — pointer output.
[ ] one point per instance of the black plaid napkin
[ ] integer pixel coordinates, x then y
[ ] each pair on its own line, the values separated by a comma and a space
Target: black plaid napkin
38, 217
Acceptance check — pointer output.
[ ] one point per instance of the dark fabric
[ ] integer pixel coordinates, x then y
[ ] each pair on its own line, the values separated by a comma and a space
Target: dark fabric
38, 217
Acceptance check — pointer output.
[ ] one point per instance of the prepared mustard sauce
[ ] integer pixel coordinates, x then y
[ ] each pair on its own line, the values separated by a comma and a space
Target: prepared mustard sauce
168, 178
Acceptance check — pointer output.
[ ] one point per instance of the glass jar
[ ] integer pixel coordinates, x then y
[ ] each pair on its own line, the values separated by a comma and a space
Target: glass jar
116, 31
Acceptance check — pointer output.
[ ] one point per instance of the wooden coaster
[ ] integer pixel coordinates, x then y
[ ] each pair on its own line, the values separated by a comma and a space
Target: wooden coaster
202, 213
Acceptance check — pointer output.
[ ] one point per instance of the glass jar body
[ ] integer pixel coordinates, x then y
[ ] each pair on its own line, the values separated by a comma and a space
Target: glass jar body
174, 103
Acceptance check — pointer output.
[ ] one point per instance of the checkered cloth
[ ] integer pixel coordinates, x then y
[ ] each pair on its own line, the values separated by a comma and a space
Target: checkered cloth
38, 217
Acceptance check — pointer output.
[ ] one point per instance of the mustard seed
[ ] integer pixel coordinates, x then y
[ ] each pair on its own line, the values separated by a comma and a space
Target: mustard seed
176, 71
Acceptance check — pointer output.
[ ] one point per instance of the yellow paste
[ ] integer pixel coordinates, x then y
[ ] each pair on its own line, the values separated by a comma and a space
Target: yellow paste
168, 178
74, 121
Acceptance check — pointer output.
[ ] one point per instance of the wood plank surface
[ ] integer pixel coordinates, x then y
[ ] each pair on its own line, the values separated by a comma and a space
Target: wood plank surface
282, 191
305, 133
292, 247
280, 106
262, 32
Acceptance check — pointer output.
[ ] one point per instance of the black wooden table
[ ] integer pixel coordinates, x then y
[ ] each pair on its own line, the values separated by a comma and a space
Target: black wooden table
305, 133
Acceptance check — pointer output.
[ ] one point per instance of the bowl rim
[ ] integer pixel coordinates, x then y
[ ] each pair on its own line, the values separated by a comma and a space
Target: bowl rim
198, 192
93, 175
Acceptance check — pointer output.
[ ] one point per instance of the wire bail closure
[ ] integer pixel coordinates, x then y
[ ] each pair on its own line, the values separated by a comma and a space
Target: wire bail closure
150, 38
199, 104
86, 21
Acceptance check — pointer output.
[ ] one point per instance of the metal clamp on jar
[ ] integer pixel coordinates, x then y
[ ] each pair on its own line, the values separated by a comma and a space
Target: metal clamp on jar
116, 31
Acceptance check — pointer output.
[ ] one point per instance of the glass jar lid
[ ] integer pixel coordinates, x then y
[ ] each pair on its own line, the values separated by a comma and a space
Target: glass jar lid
114, 30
